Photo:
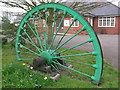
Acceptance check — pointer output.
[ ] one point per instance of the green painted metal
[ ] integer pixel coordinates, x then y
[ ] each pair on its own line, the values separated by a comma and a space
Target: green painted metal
74, 61
68, 39
46, 50
54, 36
65, 33
39, 14
75, 46
74, 55
31, 43
28, 49
72, 69
38, 37
55, 67
48, 57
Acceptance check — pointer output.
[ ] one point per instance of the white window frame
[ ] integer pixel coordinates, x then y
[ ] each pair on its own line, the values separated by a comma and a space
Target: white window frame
66, 22
90, 20
74, 25
36, 22
106, 21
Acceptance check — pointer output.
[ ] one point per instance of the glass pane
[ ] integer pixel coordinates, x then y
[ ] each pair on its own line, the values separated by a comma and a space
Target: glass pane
108, 21
66, 22
100, 18
76, 23
72, 21
112, 22
100, 22
112, 18
108, 18
104, 21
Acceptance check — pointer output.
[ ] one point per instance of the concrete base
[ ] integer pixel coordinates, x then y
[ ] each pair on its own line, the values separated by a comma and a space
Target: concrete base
55, 78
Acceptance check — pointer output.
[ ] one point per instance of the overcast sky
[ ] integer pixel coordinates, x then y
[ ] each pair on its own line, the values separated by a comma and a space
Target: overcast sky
20, 10
3, 8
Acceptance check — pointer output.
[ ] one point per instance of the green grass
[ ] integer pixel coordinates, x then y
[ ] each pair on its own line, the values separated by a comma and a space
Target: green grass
15, 75
0, 63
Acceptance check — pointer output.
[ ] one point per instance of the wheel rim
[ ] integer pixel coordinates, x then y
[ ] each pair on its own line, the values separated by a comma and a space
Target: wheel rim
26, 32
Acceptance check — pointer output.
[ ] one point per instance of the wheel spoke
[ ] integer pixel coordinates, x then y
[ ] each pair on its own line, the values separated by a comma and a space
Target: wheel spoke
45, 35
43, 30
55, 68
29, 49
75, 55
26, 59
67, 40
74, 46
54, 36
74, 61
28, 36
27, 53
72, 69
36, 30
32, 30
31, 44
53, 25
65, 33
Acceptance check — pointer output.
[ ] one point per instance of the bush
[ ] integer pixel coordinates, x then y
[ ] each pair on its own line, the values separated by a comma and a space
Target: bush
4, 41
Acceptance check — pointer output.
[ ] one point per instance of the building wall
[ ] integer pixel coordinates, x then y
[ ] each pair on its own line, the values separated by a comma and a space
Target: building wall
118, 22
107, 30
73, 30
99, 30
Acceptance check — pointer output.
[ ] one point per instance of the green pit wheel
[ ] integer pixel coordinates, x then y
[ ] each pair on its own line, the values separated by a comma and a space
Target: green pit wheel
38, 36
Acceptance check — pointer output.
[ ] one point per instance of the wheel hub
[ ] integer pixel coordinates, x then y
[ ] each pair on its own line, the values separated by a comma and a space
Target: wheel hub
47, 55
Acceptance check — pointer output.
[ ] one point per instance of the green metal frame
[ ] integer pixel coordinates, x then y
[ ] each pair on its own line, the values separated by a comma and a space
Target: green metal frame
50, 54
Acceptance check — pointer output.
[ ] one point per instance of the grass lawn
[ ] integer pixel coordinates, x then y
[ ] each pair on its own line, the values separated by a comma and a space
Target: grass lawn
15, 75
0, 64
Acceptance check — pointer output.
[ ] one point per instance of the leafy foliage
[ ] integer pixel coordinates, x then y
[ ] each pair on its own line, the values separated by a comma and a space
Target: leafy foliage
9, 29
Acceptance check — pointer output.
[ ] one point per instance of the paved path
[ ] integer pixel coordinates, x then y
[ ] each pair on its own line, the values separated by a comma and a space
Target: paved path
109, 45
110, 48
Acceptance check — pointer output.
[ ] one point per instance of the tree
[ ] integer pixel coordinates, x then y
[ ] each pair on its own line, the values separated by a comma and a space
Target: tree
29, 4
5, 23
9, 29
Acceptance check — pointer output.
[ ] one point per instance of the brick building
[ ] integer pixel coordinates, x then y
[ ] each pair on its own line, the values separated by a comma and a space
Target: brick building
105, 19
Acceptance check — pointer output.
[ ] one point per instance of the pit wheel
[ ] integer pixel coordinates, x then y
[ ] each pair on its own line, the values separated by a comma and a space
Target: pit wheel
38, 36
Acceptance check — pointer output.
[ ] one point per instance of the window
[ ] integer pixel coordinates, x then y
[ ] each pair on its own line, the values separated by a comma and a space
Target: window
66, 22
112, 21
75, 24
36, 22
106, 21
90, 20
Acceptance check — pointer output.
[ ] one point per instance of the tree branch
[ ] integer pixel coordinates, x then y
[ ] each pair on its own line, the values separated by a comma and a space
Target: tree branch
13, 4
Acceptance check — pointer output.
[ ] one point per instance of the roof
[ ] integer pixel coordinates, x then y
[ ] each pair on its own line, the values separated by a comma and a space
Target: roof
102, 9
106, 10
81, 7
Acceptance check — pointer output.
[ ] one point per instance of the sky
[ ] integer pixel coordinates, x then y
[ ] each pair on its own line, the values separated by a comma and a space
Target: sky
114, 2
3, 8
20, 10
